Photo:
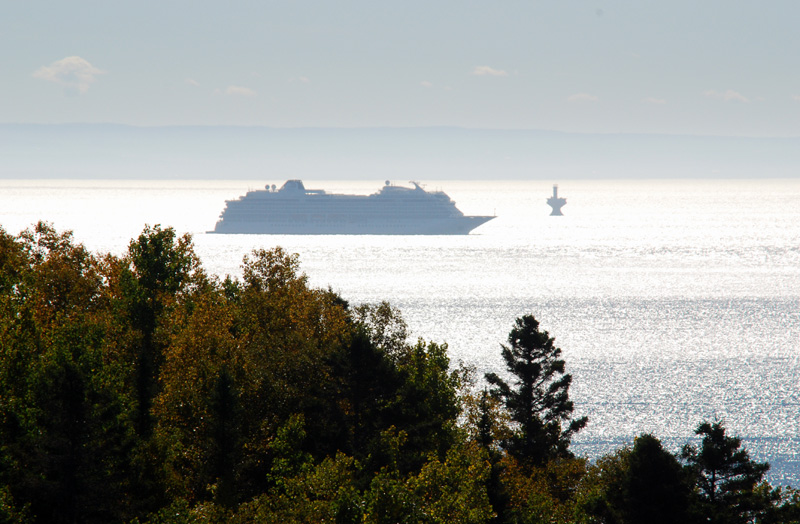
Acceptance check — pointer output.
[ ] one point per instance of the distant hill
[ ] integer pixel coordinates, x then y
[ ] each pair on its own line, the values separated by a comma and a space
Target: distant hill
219, 152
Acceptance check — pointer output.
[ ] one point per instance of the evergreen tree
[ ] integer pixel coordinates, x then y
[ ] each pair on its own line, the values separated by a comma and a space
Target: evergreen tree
538, 399
485, 425
726, 477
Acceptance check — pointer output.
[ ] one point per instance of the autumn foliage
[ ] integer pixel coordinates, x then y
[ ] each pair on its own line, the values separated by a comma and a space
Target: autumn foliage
139, 389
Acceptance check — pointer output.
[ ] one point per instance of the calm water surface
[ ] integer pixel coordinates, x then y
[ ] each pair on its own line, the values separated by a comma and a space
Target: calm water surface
674, 301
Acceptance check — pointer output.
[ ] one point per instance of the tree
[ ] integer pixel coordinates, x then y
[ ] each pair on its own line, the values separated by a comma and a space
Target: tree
453, 490
538, 400
162, 268
601, 492
726, 477
641, 485
64, 437
540, 494
383, 382
365, 394
655, 489
197, 413
487, 422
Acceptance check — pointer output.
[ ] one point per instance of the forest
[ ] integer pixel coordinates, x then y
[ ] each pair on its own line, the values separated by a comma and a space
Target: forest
140, 389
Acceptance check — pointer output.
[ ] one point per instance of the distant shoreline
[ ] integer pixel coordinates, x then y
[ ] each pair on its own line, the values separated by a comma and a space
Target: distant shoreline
113, 151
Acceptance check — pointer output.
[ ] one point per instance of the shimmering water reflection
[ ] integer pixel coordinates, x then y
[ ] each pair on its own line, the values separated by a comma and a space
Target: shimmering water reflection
674, 301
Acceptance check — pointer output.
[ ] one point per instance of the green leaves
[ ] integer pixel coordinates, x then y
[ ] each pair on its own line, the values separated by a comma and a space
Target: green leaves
137, 389
163, 262
64, 435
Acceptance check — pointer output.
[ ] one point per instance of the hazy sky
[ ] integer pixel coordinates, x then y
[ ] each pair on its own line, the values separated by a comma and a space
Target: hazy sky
724, 67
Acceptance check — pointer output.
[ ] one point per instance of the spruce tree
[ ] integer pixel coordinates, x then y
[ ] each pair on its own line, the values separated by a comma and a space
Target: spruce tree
726, 478
538, 398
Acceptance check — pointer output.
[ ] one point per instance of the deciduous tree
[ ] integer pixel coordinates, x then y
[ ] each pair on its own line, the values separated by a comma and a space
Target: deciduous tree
64, 438
162, 269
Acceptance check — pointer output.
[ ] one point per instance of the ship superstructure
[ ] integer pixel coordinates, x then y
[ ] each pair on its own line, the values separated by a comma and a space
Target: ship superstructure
394, 210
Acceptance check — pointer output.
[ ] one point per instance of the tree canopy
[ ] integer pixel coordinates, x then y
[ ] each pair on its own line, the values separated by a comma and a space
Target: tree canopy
138, 389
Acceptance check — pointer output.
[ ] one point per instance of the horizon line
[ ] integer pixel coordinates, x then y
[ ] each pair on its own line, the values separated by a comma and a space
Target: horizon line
391, 128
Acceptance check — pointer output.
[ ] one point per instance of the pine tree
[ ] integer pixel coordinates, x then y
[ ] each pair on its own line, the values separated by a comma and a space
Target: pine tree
726, 477
538, 400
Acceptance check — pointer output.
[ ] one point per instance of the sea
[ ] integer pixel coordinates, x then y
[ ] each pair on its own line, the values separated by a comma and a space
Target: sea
675, 301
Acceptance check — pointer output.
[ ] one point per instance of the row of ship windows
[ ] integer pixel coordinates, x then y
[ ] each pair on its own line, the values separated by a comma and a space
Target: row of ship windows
294, 216
292, 219
282, 210
349, 209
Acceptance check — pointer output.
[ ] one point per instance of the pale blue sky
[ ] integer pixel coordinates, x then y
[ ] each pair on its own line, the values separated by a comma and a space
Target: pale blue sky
680, 67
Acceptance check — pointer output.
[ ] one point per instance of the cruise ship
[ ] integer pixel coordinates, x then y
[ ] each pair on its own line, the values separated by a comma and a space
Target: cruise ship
394, 210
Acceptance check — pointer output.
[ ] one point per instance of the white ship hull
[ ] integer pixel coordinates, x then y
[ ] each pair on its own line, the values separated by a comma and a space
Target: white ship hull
304, 225
295, 210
